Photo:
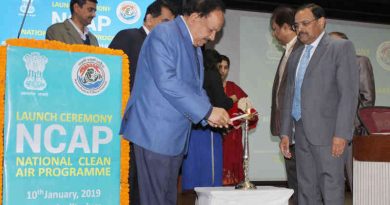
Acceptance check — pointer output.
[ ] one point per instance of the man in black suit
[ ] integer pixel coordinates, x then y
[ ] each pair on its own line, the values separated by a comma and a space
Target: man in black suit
130, 41
281, 22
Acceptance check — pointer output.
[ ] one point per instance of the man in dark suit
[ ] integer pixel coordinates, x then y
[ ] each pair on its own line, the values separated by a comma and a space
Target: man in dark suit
366, 98
75, 30
282, 20
130, 41
168, 97
320, 102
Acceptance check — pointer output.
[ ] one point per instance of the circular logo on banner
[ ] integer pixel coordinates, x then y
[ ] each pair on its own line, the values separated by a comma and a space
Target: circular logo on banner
383, 55
90, 76
128, 12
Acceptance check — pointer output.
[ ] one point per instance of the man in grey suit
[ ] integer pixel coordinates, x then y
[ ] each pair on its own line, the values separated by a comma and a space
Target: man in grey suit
320, 102
281, 22
74, 30
366, 98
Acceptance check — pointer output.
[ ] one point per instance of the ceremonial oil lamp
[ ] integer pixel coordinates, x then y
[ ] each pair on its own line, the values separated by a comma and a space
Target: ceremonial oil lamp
246, 184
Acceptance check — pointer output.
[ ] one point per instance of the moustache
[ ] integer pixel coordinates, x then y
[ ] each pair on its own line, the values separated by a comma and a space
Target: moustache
302, 33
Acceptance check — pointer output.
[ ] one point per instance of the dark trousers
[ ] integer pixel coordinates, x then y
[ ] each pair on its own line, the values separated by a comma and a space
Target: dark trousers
349, 166
291, 170
157, 176
133, 181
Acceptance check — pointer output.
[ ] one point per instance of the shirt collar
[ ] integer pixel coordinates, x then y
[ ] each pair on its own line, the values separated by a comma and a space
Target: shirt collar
317, 41
192, 40
146, 30
82, 34
289, 46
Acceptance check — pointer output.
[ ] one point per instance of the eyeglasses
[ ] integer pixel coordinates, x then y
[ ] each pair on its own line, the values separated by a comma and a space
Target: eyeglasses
305, 23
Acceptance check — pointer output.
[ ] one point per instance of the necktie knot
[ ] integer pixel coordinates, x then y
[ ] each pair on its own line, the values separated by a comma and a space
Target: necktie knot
87, 41
308, 49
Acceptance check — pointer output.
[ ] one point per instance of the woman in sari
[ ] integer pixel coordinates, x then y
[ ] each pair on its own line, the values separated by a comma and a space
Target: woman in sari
233, 172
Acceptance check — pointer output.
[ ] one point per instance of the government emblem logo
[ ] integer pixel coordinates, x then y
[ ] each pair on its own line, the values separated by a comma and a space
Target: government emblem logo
383, 55
128, 12
90, 76
23, 7
35, 64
